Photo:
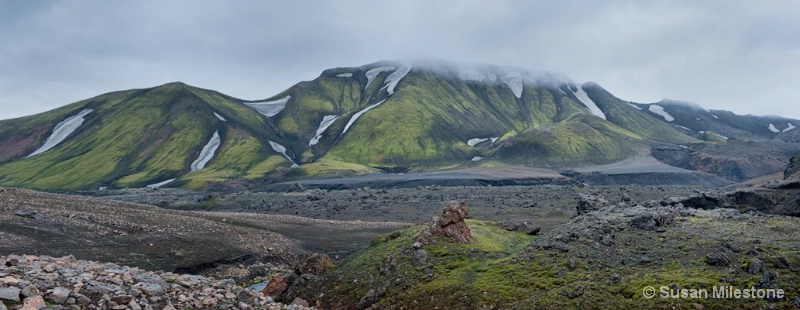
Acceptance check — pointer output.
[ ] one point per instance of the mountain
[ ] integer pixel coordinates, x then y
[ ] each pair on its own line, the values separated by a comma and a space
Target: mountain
381, 117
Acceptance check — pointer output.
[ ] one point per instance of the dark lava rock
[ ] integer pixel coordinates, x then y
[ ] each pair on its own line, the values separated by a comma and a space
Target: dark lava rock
370, 299
756, 266
29, 214
718, 259
296, 188
768, 280
526, 226
780, 262
793, 169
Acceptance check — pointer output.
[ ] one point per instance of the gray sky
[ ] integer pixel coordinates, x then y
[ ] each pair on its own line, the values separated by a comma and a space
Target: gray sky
742, 56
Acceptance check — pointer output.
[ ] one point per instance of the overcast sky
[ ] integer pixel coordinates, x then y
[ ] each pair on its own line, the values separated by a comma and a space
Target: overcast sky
742, 56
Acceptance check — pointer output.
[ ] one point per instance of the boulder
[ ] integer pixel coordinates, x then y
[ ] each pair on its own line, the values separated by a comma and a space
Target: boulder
718, 259
370, 299
449, 225
296, 188
275, 287
9, 294
33, 303
315, 264
526, 226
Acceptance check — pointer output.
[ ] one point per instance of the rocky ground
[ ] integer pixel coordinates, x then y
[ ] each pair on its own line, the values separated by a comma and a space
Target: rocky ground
39, 282
220, 244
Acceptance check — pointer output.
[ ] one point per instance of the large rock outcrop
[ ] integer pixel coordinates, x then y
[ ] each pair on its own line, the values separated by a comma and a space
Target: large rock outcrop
450, 225
793, 169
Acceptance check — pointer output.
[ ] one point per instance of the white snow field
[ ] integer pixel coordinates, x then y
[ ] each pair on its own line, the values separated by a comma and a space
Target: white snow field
584, 98
394, 78
220, 117
62, 131
372, 73
159, 184
281, 149
326, 122
477, 158
514, 82
657, 109
269, 108
773, 129
344, 75
359, 113
791, 126
207, 153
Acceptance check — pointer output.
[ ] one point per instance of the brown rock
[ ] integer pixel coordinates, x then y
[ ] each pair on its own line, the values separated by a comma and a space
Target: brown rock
300, 302
449, 225
275, 287
315, 264
33, 303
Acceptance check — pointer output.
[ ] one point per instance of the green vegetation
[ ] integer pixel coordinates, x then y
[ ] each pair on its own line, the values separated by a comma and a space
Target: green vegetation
509, 270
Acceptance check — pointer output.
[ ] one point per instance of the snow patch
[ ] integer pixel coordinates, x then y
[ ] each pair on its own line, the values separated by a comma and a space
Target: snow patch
475, 141
207, 153
281, 149
584, 98
269, 108
159, 184
326, 122
477, 158
344, 75
470, 75
791, 126
635, 106
514, 82
220, 117
394, 78
773, 129
372, 73
62, 131
657, 109
358, 114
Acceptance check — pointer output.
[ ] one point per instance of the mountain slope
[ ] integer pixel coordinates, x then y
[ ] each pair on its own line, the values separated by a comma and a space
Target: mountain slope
135, 138
385, 116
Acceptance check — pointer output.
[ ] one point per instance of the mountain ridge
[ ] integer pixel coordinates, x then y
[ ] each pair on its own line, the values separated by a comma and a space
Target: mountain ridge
384, 116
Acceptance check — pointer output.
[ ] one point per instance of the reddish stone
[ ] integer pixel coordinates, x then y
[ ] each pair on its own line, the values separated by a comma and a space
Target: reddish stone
275, 287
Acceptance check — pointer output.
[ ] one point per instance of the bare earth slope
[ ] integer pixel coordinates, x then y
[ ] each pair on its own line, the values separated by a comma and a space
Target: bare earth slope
154, 238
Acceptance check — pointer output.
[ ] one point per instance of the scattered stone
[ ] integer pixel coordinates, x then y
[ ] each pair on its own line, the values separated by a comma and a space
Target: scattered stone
30, 290
369, 299
315, 264
768, 280
420, 257
33, 303
300, 302
756, 266
296, 188
718, 259
59, 295
526, 226
780, 262
9, 293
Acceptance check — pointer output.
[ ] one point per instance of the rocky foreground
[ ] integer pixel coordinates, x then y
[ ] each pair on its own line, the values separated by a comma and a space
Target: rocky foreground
39, 282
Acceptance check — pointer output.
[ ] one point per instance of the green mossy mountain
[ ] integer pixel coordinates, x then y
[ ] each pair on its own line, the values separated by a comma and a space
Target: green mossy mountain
385, 116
